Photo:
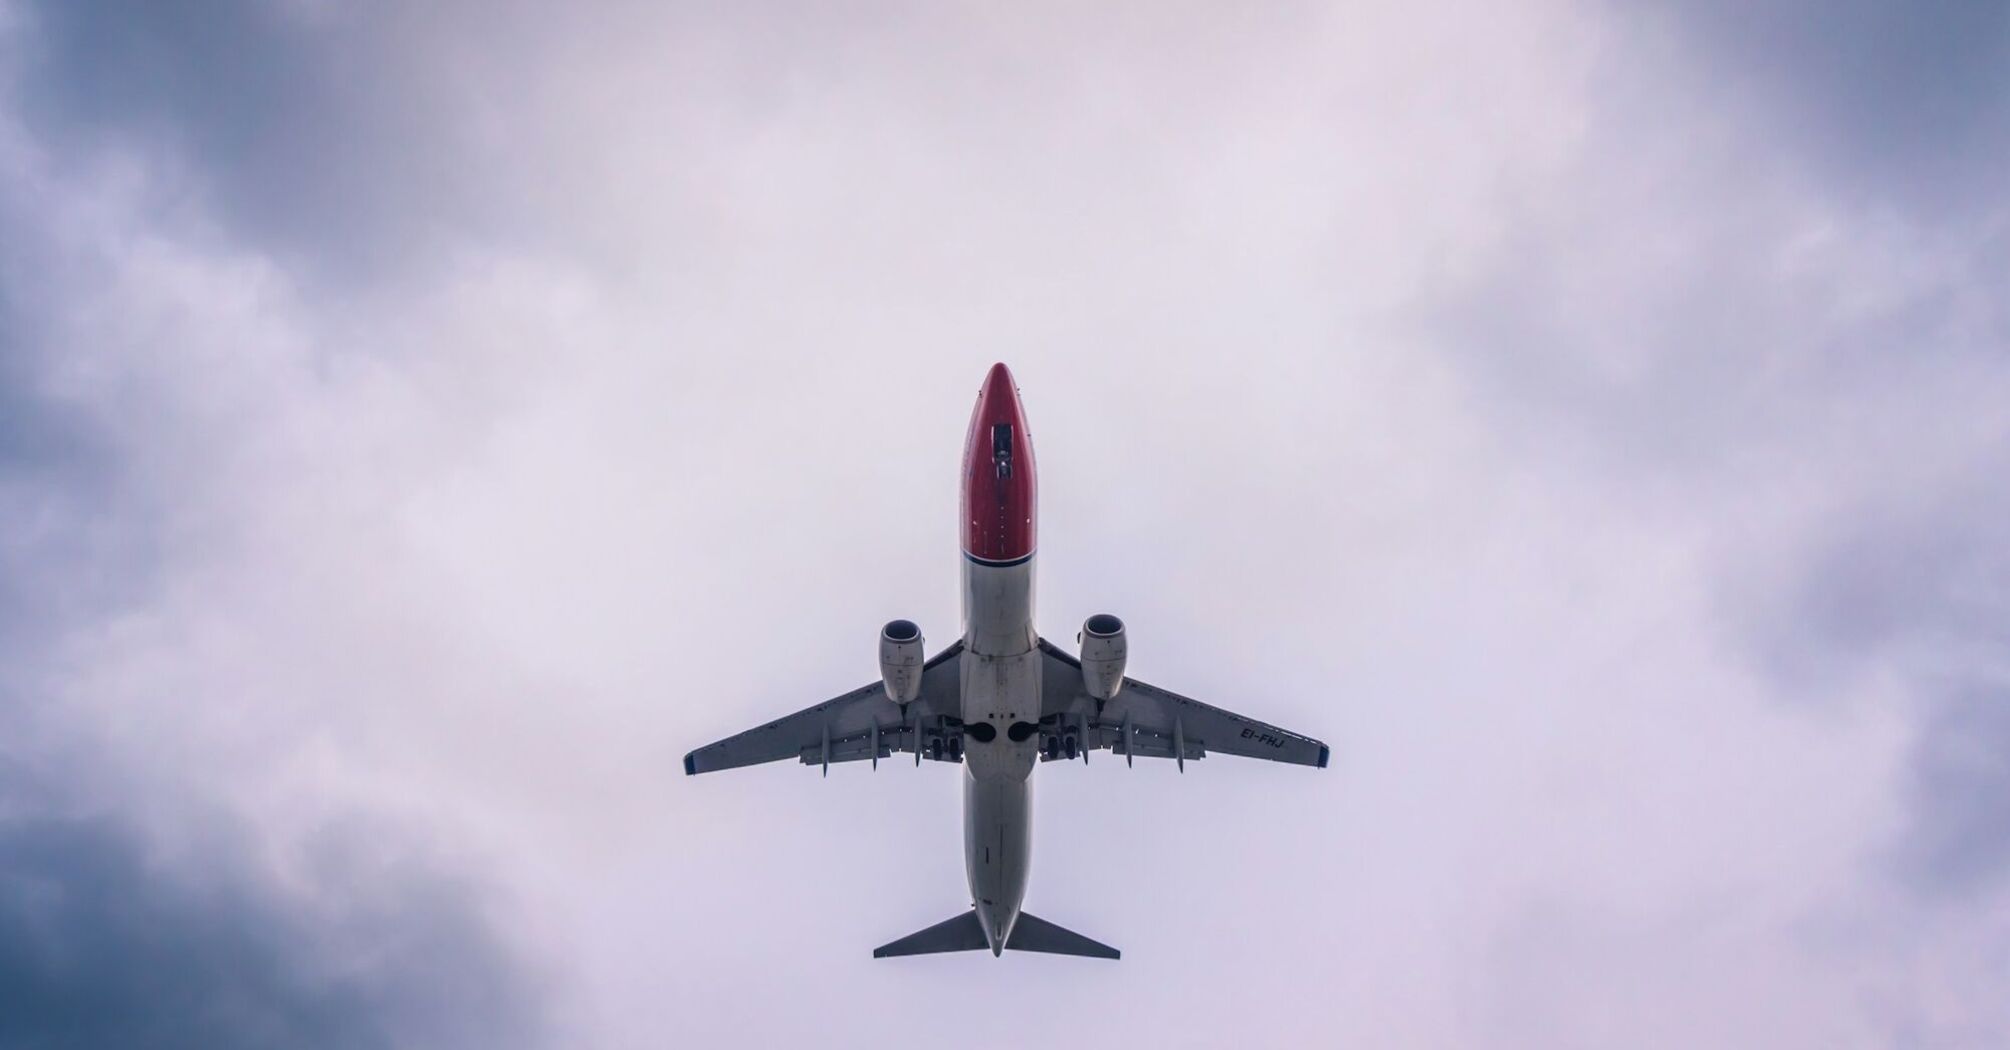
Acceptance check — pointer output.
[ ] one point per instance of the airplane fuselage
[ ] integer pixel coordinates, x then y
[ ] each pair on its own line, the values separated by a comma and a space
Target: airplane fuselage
1000, 701
1001, 666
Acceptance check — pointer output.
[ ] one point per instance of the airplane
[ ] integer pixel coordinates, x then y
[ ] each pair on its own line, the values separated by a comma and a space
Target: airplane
1001, 700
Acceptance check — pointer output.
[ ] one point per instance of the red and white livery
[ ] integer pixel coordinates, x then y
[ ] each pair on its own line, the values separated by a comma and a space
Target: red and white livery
1000, 701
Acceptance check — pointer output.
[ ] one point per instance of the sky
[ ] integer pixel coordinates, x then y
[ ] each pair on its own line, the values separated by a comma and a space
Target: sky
420, 425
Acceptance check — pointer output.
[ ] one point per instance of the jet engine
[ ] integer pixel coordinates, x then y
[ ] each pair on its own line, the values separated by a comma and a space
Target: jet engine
1103, 652
900, 660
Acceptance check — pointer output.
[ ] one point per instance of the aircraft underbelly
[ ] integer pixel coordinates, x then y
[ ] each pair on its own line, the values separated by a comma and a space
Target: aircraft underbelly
998, 608
997, 844
1001, 687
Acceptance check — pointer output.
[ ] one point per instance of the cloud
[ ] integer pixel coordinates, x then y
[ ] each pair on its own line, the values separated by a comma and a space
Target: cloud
441, 423
106, 942
1895, 107
1913, 582
146, 897
1956, 846
347, 141
1714, 332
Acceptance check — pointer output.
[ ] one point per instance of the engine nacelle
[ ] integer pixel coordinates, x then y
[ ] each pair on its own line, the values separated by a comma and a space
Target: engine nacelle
1103, 653
900, 660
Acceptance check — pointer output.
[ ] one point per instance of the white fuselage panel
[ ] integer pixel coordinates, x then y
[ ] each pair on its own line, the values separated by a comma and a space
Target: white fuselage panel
1001, 686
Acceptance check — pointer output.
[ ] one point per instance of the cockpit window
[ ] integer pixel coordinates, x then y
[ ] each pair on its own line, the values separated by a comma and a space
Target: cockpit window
1001, 449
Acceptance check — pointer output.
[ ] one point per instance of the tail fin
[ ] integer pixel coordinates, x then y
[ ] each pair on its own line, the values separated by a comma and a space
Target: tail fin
964, 934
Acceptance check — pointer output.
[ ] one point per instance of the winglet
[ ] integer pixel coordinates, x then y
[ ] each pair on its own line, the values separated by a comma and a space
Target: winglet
691, 764
1324, 753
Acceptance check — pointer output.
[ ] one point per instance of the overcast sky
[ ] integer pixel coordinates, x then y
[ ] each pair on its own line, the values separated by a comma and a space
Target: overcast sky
422, 424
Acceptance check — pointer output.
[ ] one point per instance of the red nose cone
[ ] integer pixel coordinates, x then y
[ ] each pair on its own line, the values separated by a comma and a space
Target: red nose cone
999, 489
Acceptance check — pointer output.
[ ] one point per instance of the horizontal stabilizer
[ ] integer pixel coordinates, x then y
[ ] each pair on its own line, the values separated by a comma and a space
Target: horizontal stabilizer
1034, 934
964, 934
960, 934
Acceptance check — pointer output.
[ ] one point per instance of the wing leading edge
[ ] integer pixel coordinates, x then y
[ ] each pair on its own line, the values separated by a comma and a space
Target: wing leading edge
1146, 721
861, 724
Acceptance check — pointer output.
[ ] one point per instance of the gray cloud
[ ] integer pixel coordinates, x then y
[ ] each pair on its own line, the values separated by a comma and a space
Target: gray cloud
1811, 388
1958, 844
62, 555
1919, 581
104, 943
139, 907
339, 138
1921, 571
1896, 104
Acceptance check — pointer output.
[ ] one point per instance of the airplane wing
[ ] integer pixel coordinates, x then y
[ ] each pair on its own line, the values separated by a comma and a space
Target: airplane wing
861, 724
1144, 720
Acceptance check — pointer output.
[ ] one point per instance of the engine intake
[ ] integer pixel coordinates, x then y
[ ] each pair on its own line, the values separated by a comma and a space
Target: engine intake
1103, 653
900, 660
